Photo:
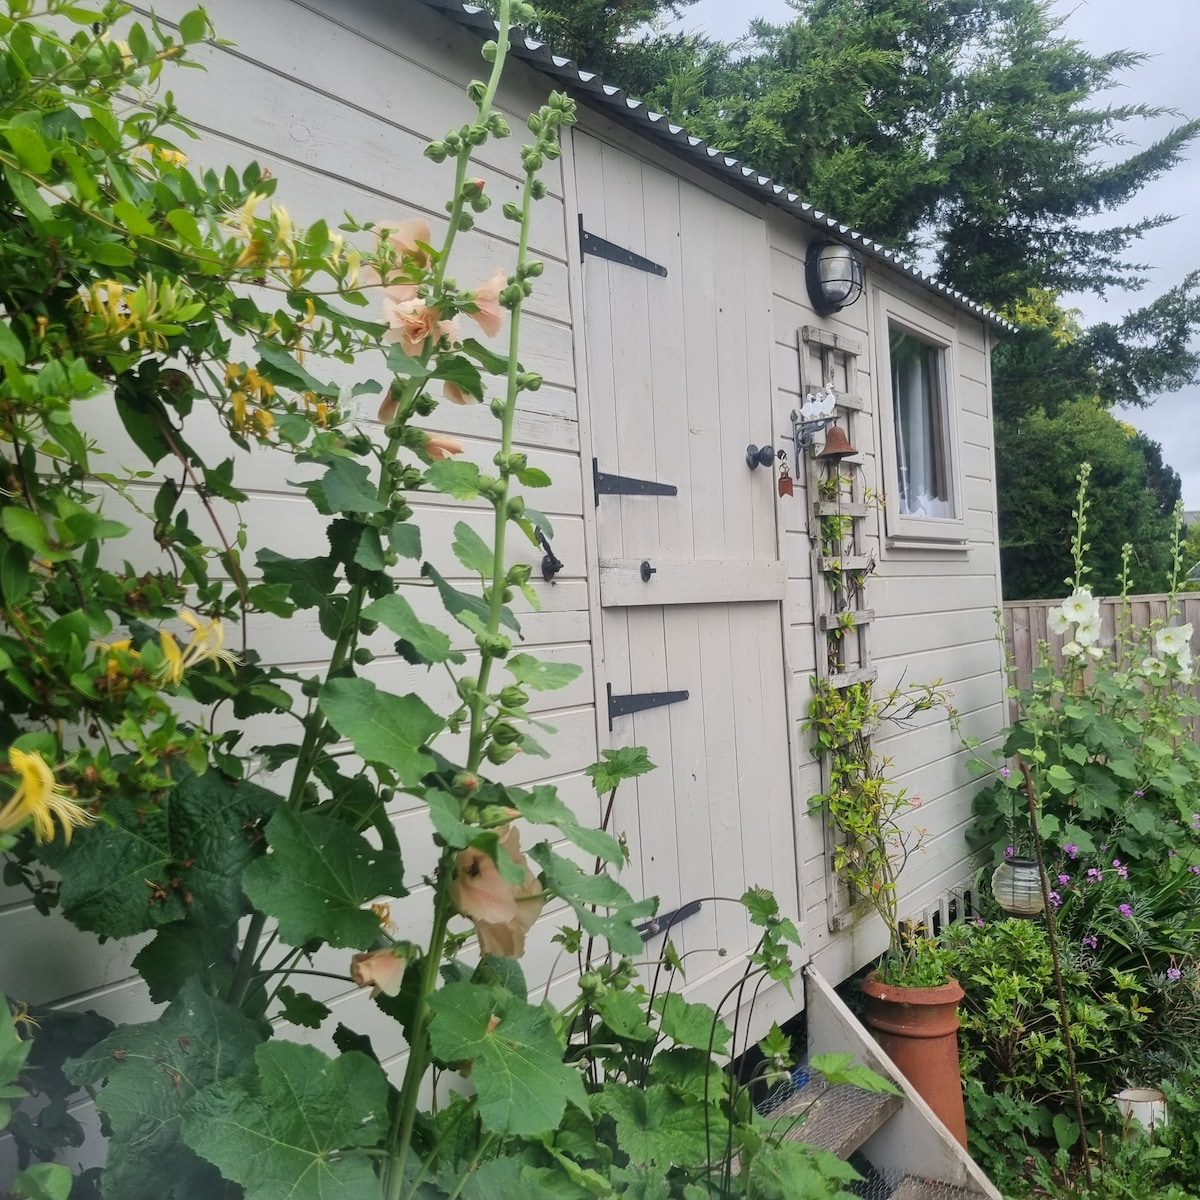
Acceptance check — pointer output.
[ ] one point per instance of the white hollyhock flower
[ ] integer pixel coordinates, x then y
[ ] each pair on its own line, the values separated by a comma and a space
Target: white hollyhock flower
1072, 650
1186, 676
1088, 631
1173, 640
1153, 666
1081, 605
1059, 622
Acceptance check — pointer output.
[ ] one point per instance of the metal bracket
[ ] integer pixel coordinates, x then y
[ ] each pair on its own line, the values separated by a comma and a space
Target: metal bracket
589, 243
604, 484
551, 564
664, 922
622, 706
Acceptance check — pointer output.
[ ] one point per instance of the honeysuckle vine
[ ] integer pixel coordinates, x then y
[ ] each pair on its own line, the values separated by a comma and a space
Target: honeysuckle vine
163, 329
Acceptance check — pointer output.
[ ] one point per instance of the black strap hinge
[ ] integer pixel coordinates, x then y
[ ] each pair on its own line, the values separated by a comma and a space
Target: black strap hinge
604, 484
589, 243
663, 922
622, 706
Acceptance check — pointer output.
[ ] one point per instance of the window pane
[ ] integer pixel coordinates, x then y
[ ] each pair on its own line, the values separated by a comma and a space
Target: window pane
922, 468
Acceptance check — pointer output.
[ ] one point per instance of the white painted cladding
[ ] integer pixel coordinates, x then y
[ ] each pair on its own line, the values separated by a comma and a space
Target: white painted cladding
662, 382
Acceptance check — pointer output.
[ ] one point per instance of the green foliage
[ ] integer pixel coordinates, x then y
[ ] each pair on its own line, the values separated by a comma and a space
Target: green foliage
128, 793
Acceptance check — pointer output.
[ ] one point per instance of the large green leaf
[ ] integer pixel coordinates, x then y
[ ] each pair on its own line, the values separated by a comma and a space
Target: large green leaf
794, 1171
317, 878
139, 868
419, 643
689, 1024
472, 551
543, 806
517, 1066
388, 730
148, 1074
656, 1126
542, 676
279, 1131
586, 893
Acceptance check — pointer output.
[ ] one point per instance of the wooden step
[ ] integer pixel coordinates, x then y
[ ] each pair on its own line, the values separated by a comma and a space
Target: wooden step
912, 1188
839, 1118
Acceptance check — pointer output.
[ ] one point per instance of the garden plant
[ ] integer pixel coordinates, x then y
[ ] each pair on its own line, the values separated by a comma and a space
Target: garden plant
164, 332
1109, 743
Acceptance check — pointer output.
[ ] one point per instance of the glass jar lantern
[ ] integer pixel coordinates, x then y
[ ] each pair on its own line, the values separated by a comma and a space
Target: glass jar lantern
1017, 887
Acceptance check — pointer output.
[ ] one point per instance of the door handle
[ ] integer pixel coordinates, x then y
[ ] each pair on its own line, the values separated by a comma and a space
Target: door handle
646, 571
759, 456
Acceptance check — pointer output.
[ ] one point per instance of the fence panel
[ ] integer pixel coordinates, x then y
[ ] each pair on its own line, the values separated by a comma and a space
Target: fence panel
1026, 625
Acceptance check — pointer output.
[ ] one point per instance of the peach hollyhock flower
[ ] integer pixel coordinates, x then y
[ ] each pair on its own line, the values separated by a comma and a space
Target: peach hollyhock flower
503, 913
455, 394
411, 321
39, 799
489, 315
382, 970
442, 445
405, 236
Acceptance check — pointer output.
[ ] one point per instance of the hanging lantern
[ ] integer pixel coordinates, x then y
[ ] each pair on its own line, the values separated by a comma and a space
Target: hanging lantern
837, 445
1017, 886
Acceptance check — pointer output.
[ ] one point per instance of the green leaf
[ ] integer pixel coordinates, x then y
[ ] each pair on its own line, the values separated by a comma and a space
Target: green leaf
388, 730
301, 1008
1060, 779
28, 529
472, 551
193, 26
656, 1126
405, 538
445, 812
627, 762
841, 1068
309, 580
534, 477
462, 605
29, 148
689, 1024
517, 1068
586, 893
489, 360
278, 1131
317, 878
43, 1181
10, 345
787, 1170
457, 479
185, 224
461, 371
148, 1074
183, 950
278, 365
134, 220
118, 875
543, 806
542, 676
346, 487
419, 643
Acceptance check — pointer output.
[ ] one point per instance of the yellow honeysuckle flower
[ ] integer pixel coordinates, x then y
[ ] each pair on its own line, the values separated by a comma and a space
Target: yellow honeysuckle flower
206, 644
39, 799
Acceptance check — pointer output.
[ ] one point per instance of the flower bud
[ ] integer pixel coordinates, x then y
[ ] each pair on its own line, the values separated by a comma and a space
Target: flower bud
497, 755
505, 734
436, 151
513, 696
489, 51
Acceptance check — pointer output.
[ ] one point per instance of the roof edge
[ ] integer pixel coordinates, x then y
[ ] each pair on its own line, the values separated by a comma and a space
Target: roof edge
639, 116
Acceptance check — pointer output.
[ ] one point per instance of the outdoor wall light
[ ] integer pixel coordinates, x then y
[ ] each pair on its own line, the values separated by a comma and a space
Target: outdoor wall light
834, 275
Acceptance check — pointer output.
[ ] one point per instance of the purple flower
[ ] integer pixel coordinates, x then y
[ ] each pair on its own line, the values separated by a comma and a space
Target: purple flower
1071, 851
980, 922
1004, 772
1064, 879
1009, 852
1174, 973
1194, 870
1138, 792
1055, 899
1122, 871
1196, 818
1091, 941
1095, 874
1125, 910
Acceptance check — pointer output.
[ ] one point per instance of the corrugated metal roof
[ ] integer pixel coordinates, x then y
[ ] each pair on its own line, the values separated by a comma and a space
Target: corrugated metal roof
641, 117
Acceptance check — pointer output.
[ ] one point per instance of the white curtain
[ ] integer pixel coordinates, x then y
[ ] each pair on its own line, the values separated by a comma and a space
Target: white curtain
920, 429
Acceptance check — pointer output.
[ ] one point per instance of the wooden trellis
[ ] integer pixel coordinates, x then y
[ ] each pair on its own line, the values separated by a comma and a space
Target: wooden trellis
841, 560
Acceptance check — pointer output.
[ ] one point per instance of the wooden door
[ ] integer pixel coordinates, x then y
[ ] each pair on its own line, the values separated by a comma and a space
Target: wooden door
678, 374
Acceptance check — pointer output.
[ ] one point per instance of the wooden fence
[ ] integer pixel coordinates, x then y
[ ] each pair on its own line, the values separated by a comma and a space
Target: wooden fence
1025, 625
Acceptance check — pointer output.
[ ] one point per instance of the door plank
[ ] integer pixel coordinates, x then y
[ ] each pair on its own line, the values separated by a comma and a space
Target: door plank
702, 581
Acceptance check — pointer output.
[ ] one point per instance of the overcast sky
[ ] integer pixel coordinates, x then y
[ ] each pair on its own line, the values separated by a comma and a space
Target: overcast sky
1170, 31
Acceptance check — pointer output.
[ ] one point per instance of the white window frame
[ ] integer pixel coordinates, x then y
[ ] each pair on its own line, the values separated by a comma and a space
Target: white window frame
905, 530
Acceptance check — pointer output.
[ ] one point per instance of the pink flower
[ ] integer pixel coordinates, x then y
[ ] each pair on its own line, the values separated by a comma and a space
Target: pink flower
381, 969
1064, 879
1125, 910
503, 912
489, 316
1174, 973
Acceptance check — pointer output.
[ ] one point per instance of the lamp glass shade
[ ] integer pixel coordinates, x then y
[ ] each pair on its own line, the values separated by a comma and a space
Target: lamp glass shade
834, 275
1017, 887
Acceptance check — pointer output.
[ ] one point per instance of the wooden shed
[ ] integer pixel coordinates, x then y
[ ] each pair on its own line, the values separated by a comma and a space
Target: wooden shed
674, 329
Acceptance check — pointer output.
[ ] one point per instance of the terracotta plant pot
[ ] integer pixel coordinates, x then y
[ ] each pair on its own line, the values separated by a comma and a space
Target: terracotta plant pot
918, 1030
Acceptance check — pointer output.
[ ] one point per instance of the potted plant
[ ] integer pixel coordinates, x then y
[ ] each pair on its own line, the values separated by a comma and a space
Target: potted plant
912, 1001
